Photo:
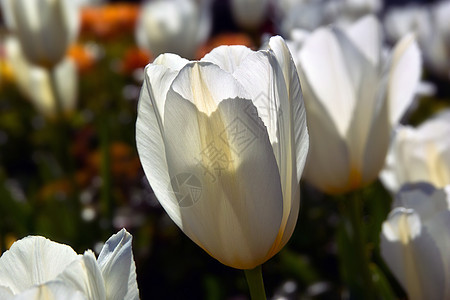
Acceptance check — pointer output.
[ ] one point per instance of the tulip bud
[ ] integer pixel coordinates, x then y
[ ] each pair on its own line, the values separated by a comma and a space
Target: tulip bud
175, 26
35, 84
419, 154
415, 241
45, 28
223, 143
353, 98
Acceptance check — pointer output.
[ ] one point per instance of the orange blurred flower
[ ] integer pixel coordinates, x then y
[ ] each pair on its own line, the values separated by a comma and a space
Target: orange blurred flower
109, 20
133, 59
225, 39
83, 58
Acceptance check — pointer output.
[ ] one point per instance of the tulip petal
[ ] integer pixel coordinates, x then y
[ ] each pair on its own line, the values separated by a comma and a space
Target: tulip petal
411, 253
404, 76
228, 58
322, 62
424, 198
33, 260
377, 142
150, 144
206, 85
161, 75
117, 265
55, 290
324, 146
5, 293
366, 34
222, 156
292, 129
85, 275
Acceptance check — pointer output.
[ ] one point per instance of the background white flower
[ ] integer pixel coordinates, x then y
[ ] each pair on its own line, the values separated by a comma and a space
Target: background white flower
34, 266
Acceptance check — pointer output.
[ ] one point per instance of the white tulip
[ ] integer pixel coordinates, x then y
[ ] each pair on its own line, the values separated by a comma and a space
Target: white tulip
353, 97
415, 241
37, 268
431, 26
355, 9
249, 14
305, 14
175, 26
35, 82
45, 28
419, 154
223, 142
400, 21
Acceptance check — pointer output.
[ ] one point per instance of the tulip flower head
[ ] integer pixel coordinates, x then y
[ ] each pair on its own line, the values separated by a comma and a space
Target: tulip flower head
431, 26
45, 28
223, 142
353, 97
175, 26
419, 154
37, 268
415, 241
35, 84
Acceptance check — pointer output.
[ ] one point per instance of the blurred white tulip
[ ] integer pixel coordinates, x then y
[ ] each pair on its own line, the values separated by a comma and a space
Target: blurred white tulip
37, 268
249, 14
415, 241
402, 20
432, 28
174, 26
419, 154
354, 96
223, 142
45, 28
304, 14
35, 83
355, 9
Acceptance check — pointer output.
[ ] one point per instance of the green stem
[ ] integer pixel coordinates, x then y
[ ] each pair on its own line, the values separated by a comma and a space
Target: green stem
255, 283
353, 248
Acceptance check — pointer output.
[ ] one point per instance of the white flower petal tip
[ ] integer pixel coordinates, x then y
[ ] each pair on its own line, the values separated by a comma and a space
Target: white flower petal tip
415, 241
205, 128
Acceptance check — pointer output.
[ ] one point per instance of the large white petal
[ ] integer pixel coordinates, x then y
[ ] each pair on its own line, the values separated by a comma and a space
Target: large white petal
149, 128
220, 156
404, 77
368, 111
228, 58
117, 265
33, 260
293, 134
55, 290
328, 162
85, 275
323, 65
366, 34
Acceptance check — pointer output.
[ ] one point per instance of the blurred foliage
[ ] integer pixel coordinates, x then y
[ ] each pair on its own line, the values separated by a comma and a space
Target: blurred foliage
82, 193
